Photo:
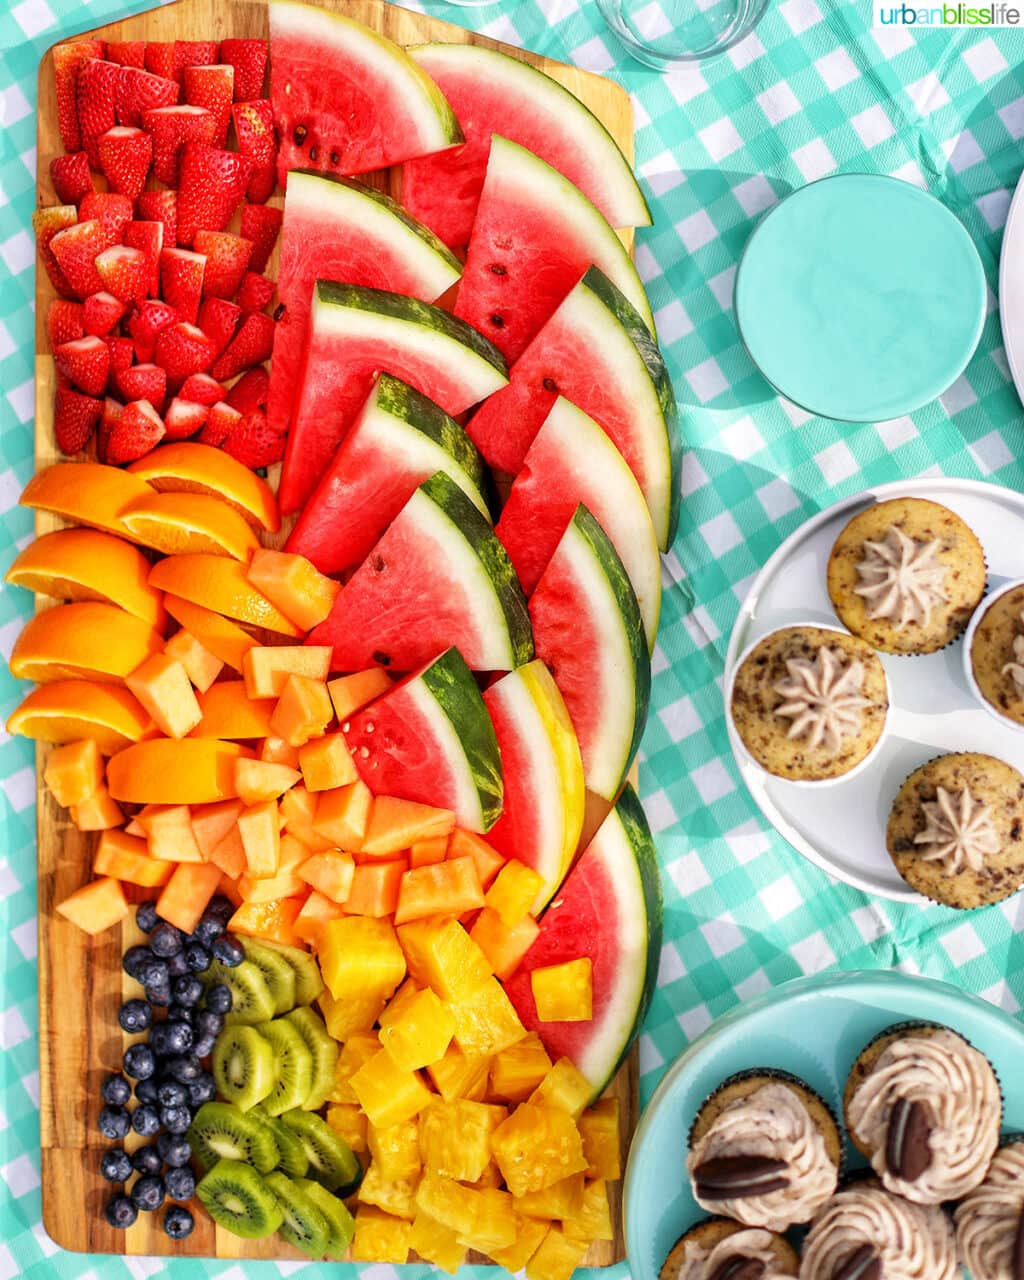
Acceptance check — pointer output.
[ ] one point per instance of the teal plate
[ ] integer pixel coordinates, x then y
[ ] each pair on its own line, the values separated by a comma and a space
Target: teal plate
815, 1028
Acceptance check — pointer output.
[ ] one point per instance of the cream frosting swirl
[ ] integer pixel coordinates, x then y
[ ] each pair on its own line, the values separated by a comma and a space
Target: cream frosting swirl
822, 697
990, 1221
901, 580
911, 1241
772, 1124
955, 1095
1015, 669
959, 831
753, 1245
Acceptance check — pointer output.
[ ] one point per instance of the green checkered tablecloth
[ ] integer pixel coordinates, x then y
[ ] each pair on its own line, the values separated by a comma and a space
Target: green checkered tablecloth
812, 92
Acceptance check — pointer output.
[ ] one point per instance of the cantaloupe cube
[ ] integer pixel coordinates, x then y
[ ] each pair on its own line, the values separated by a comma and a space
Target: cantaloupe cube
266, 668
343, 816
564, 1087
292, 583
134, 828
95, 906
201, 666
360, 954
330, 873
293, 854
312, 842
441, 955
229, 712
74, 772
375, 888
257, 781
350, 693
317, 912
284, 885
465, 844
327, 763
380, 1237
350, 1015
260, 829
420, 1035
212, 822
187, 894
436, 1244
602, 1142
518, 1070
564, 992
303, 711
347, 1120
396, 824
127, 858
503, 945
171, 835
162, 685
272, 921
486, 1022
557, 1257
446, 888
529, 1234
229, 855
388, 1094
298, 807
277, 751
456, 1076
513, 892
99, 812
228, 888
425, 853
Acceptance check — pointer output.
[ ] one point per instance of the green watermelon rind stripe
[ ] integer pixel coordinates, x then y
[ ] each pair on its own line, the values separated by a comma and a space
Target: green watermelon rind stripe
404, 403
450, 683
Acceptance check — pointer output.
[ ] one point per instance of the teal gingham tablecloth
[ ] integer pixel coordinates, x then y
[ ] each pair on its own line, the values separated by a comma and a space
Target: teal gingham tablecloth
813, 91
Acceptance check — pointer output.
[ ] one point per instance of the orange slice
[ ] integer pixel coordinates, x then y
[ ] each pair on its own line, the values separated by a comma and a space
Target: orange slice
69, 710
168, 771
89, 641
186, 467
219, 583
224, 639
85, 493
85, 564
177, 523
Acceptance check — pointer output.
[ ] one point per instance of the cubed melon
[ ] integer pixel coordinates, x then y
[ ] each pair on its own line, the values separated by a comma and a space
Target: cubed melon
276, 751
266, 668
303, 711
294, 585
343, 816
229, 855
170, 833
442, 889
187, 894
375, 888
162, 685
388, 1094
284, 885
95, 906
360, 954
228, 888
564, 992
396, 824
350, 693
272, 921
327, 763
201, 666
425, 853
74, 772
465, 844
503, 945
212, 822
514, 890
257, 781
260, 829
98, 812
330, 873
317, 912
127, 858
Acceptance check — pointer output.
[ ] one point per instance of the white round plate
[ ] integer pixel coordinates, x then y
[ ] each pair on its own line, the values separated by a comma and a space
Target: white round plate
841, 827
1011, 289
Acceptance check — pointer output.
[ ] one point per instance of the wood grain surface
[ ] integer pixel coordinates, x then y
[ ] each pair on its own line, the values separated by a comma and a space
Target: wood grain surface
80, 980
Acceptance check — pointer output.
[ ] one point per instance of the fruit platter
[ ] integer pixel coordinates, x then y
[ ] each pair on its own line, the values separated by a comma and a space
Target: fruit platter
347, 577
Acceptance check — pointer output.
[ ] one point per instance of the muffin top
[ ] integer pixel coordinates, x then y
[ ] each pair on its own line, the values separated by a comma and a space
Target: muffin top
750, 1253
990, 1221
906, 575
997, 654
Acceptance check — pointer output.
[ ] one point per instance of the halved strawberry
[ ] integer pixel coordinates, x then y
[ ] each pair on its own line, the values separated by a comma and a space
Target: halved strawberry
250, 391
111, 210
254, 443
160, 206
125, 156
257, 139
124, 272
74, 419
122, 355
144, 382
221, 421
141, 91
68, 60
227, 257
71, 177
112, 410
181, 281
261, 224
255, 292
96, 97
48, 223
184, 418
249, 59
252, 344
211, 185
172, 128
85, 362
194, 53
212, 87
146, 322
182, 349
200, 388
127, 53
64, 322
219, 319
138, 429
100, 312
149, 237
160, 58
75, 249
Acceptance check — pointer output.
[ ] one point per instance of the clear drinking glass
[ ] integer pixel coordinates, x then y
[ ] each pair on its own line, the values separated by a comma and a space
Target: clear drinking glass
671, 33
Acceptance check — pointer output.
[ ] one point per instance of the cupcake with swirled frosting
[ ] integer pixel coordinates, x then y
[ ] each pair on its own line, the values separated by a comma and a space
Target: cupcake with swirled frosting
990, 1221
956, 830
867, 1233
906, 575
717, 1249
924, 1107
765, 1151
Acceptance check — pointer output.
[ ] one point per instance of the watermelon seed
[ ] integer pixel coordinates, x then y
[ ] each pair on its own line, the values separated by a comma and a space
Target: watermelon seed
313, 153
498, 269
550, 384
498, 321
382, 659
335, 158
300, 134
379, 564
364, 752
279, 310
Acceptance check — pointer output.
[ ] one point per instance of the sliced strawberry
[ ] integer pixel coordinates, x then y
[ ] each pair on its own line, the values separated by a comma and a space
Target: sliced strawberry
111, 210
172, 128
181, 281
85, 362
76, 249
219, 319
122, 354
211, 185
184, 418
96, 96
250, 391
112, 410
100, 312
182, 349
227, 257
124, 272
138, 429
257, 139
212, 87
261, 224
160, 58
64, 322
127, 53
200, 388
140, 91
149, 237
249, 59
255, 292
146, 322
71, 177
194, 53
48, 223
160, 206
74, 419
252, 344
222, 420
125, 156
68, 60
254, 443
144, 382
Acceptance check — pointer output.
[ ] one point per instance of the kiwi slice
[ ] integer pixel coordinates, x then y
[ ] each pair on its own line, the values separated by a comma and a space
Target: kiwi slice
291, 1154
236, 1198
324, 1049
308, 982
304, 1225
277, 972
251, 998
331, 1160
340, 1225
293, 1063
219, 1131
243, 1066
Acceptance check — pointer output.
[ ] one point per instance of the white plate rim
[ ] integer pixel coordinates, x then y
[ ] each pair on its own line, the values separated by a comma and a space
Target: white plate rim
1011, 315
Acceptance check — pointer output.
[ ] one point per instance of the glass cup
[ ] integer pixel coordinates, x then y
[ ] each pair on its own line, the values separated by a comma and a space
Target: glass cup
672, 33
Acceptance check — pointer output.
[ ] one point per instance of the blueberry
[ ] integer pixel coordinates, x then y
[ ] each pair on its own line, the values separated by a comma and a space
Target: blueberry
169, 1038
187, 990
176, 1119
204, 1046
202, 1090
228, 951
146, 1090
120, 1212
208, 930
154, 973
198, 957
185, 1068
178, 1222
165, 940
139, 1061
182, 1013
180, 1183
209, 1023
148, 1192
219, 998
219, 908
114, 1123
172, 1094
159, 994
146, 1121
116, 1165
146, 1160
177, 966
146, 917
116, 1090
174, 1150
135, 960
134, 1016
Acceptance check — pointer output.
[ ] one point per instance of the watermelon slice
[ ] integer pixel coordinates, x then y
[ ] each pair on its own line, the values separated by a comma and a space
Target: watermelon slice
609, 909
534, 236
571, 461
347, 100
340, 230
587, 628
399, 440
438, 577
354, 334
430, 739
540, 757
596, 352
491, 92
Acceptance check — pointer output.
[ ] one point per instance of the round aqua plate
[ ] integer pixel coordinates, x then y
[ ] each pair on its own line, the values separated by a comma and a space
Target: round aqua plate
815, 1028
860, 297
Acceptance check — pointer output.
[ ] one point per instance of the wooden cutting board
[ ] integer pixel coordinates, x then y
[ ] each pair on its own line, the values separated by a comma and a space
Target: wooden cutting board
80, 980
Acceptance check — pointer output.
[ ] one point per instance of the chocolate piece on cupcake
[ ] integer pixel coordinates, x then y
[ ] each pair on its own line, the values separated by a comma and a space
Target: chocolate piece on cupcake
990, 1221
764, 1150
717, 1249
924, 1107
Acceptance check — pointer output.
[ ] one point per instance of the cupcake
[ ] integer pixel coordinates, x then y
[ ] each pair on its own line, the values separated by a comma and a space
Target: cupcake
994, 657
867, 1233
924, 1107
764, 1150
990, 1221
956, 830
809, 703
717, 1249
906, 575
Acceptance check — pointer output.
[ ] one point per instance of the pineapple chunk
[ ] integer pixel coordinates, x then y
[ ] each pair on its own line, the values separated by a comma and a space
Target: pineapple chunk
491, 1177
359, 954
441, 955
564, 992
394, 1197
348, 1121
536, 1147
420, 1033
455, 1138
486, 1022
513, 892
396, 1150
564, 1087
563, 1199
356, 1049
436, 1243
519, 1069
557, 1258
456, 1076
405, 993
602, 1146
380, 1237
388, 1094
594, 1220
483, 1220
529, 1233
350, 1016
